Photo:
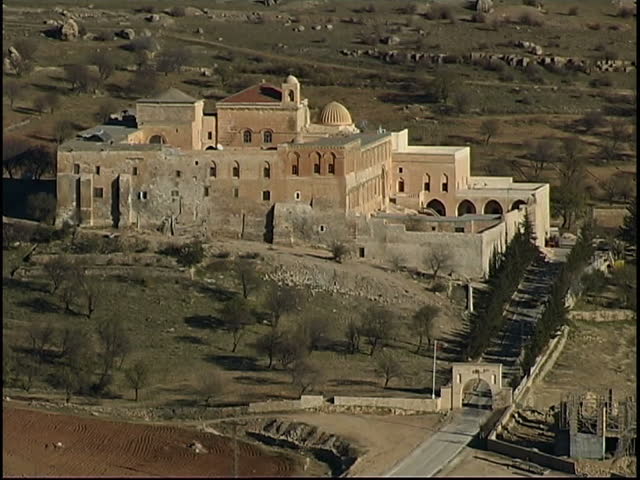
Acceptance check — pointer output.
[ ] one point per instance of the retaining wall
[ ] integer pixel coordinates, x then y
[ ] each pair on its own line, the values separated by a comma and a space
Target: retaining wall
515, 451
617, 315
416, 404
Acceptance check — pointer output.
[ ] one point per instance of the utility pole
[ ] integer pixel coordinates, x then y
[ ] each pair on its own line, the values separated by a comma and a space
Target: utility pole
435, 349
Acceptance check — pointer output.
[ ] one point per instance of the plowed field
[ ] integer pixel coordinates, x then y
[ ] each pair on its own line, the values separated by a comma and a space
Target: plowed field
94, 447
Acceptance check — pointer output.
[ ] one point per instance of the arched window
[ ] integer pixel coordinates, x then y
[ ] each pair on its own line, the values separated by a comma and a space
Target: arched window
438, 207
292, 96
316, 162
492, 207
466, 208
213, 170
246, 136
157, 139
401, 185
266, 170
426, 182
294, 157
330, 158
236, 170
445, 182
267, 137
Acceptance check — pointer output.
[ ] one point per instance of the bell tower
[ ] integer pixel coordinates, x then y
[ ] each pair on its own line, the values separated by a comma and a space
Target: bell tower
291, 91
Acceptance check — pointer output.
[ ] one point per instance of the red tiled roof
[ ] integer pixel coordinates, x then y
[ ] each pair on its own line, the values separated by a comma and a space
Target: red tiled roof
262, 93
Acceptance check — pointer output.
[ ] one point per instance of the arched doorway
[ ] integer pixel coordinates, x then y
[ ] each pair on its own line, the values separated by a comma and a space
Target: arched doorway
438, 207
476, 393
517, 204
466, 207
492, 207
210, 147
157, 139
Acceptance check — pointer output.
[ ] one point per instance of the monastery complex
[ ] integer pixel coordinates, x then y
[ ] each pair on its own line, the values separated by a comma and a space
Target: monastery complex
259, 169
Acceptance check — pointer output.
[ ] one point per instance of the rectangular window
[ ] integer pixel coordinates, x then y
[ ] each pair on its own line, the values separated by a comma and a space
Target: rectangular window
236, 192
427, 187
97, 169
76, 169
142, 195
98, 192
445, 187
266, 195
178, 173
209, 135
135, 171
400, 169
212, 171
175, 193
361, 252
206, 191
294, 169
459, 229
316, 168
332, 169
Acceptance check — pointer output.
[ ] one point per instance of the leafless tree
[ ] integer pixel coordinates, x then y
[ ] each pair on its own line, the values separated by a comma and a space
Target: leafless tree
339, 249
210, 384
423, 324
144, 82
236, 316
436, 260
247, 275
27, 48
376, 326
104, 63
267, 344
13, 149
91, 292
304, 375
397, 261
489, 128
387, 366
27, 371
41, 335
173, 59
571, 165
81, 78
42, 207
315, 329
63, 130
39, 160
291, 347
138, 376
40, 104
115, 345
352, 336
74, 341
51, 101
105, 109
539, 154
12, 90
462, 101
280, 301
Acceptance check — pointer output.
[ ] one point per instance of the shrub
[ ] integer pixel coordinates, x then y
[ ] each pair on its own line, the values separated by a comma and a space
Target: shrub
479, 17
626, 11
178, 12
534, 73
103, 36
506, 76
532, 19
600, 82
592, 120
573, 11
594, 26
439, 287
437, 11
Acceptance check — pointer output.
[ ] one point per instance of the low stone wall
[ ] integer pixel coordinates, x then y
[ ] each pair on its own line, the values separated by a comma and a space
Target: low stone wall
530, 455
617, 315
304, 402
415, 404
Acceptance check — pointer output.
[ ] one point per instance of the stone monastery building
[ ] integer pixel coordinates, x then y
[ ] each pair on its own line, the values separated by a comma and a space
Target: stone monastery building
259, 169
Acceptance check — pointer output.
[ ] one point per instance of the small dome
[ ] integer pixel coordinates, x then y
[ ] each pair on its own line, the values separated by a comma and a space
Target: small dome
335, 113
291, 79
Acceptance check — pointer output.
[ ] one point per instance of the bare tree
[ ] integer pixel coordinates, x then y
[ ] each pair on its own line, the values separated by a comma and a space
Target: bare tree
236, 316
352, 336
540, 153
280, 301
73, 342
376, 326
173, 59
489, 128
387, 366
81, 78
39, 160
436, 260
210, 385
12, 90
315, 329
27, 48
13, 149
51, 101
397, 261
247, 275
304, 375
138, 376
104, 63
41, 336
267, 344
63, 130
91, 292
291, 347
423, 324
144, 81
40, 104
115, 345
105, 109
27, 371
339, 249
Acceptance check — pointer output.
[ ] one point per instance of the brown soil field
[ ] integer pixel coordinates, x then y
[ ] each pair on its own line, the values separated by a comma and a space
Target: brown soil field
94, 447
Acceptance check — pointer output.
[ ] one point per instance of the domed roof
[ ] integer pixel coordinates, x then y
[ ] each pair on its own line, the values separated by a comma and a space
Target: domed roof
291, 79
335, 113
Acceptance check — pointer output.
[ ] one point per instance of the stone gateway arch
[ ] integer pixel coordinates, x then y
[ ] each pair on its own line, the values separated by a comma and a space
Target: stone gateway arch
464, 373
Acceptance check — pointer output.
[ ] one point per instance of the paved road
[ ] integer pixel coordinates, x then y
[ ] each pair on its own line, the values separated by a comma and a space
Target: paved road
442, 447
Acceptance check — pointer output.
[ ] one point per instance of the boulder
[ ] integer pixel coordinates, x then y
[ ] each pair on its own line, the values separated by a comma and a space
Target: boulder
329, 26
316, 27
152, 18
199, 31
69, 30
484, 6
128, 34
391, 40
536, 49
145, 32
192, 11
7, 66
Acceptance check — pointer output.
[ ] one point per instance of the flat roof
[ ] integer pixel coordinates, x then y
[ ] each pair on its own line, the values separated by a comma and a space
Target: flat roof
340, 141
431, 150
101, 135
431, 218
